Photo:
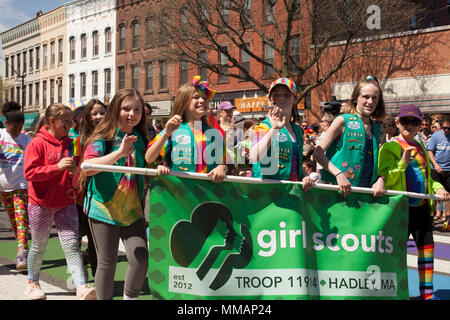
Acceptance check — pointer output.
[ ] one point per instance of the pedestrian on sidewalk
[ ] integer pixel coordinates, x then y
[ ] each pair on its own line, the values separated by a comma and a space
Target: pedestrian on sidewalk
405, 166
50, 163
13, 186
113, 200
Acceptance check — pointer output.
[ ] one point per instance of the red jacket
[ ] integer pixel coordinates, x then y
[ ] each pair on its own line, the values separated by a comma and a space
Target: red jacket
48, 186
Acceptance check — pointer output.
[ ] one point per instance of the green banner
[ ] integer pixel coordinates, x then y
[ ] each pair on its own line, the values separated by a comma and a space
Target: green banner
274, 241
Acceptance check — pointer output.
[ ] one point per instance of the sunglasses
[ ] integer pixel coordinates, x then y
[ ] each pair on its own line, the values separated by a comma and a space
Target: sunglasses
407, 121
445, 128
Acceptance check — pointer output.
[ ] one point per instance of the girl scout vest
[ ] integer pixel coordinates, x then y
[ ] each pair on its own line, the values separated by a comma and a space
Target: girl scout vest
278, 161
112, 179
348, 155
182, 153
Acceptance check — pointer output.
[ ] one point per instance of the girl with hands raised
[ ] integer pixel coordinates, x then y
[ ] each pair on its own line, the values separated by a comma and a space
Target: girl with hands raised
188, 134
277, 148
113, 200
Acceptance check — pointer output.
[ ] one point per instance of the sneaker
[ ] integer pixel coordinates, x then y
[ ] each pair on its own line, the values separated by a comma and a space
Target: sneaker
433, 297
34, 292
21, 260
446, 226
86, 292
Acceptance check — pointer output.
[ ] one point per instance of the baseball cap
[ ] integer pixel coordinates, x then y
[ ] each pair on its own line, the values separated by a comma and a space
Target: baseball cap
285, 82
225, 105
410, 110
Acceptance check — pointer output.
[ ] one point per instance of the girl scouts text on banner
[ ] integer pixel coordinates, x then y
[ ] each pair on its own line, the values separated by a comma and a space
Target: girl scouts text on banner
273, 241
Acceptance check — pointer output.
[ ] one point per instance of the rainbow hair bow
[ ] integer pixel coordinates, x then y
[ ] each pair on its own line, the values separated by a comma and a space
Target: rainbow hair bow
202, 87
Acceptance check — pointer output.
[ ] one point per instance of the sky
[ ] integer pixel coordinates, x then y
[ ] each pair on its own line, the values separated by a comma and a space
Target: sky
15, 12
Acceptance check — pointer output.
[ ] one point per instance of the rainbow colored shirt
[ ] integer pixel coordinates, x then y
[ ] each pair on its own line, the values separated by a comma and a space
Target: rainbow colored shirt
416, 172
111, 197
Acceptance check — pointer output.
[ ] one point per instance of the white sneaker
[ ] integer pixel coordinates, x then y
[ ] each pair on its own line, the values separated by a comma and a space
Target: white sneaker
86, 292
34, 292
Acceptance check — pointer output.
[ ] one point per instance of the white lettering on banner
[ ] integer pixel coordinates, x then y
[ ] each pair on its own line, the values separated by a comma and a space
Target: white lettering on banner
257, 282
267, 239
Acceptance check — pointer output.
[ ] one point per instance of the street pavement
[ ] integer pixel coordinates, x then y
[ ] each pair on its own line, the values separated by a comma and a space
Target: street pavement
12, 282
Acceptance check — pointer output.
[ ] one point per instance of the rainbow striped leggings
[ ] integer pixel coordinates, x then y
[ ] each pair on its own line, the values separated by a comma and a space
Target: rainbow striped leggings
66, 222
421, 228
15, 203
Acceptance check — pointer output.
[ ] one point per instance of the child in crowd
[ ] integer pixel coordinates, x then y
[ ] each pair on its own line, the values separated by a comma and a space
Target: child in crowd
353, 142
50, 163
13, 186
93, 113
277, 147
405, 166
113, 200
187, 134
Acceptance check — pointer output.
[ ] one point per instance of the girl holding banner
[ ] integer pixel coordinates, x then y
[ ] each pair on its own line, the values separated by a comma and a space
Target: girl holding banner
187, 135
352, 142
113, 200
277, 150
405, 165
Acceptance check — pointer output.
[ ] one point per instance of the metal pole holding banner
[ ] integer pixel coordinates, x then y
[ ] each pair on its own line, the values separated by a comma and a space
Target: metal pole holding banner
203, 176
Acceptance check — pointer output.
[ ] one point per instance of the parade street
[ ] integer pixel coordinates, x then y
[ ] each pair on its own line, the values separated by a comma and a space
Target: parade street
55, 280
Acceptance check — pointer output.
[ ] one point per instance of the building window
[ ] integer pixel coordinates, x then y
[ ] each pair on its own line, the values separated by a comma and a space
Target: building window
269, 57
149, 38
11, 94
223, 67
52, 53
30, 94
12, 69
30, 54
36, 92
432, 4
95, 43
294, 46
6, 68
52, 91
72, 48
135, 76
121, 77
148, 76
38, 58
225, 11
59, 83
413, 23
269, 9
136, 34
71, 86
18, 63
83, 84
203, 59
245, 61
83, 43
184, 72
60, 51
24, 56
45, 54
108, 43
122, 35
95, 83
18, 95
44, 94
163, 74
107, 81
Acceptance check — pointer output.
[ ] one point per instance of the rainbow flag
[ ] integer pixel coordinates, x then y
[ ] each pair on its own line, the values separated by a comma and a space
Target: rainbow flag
75, 103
